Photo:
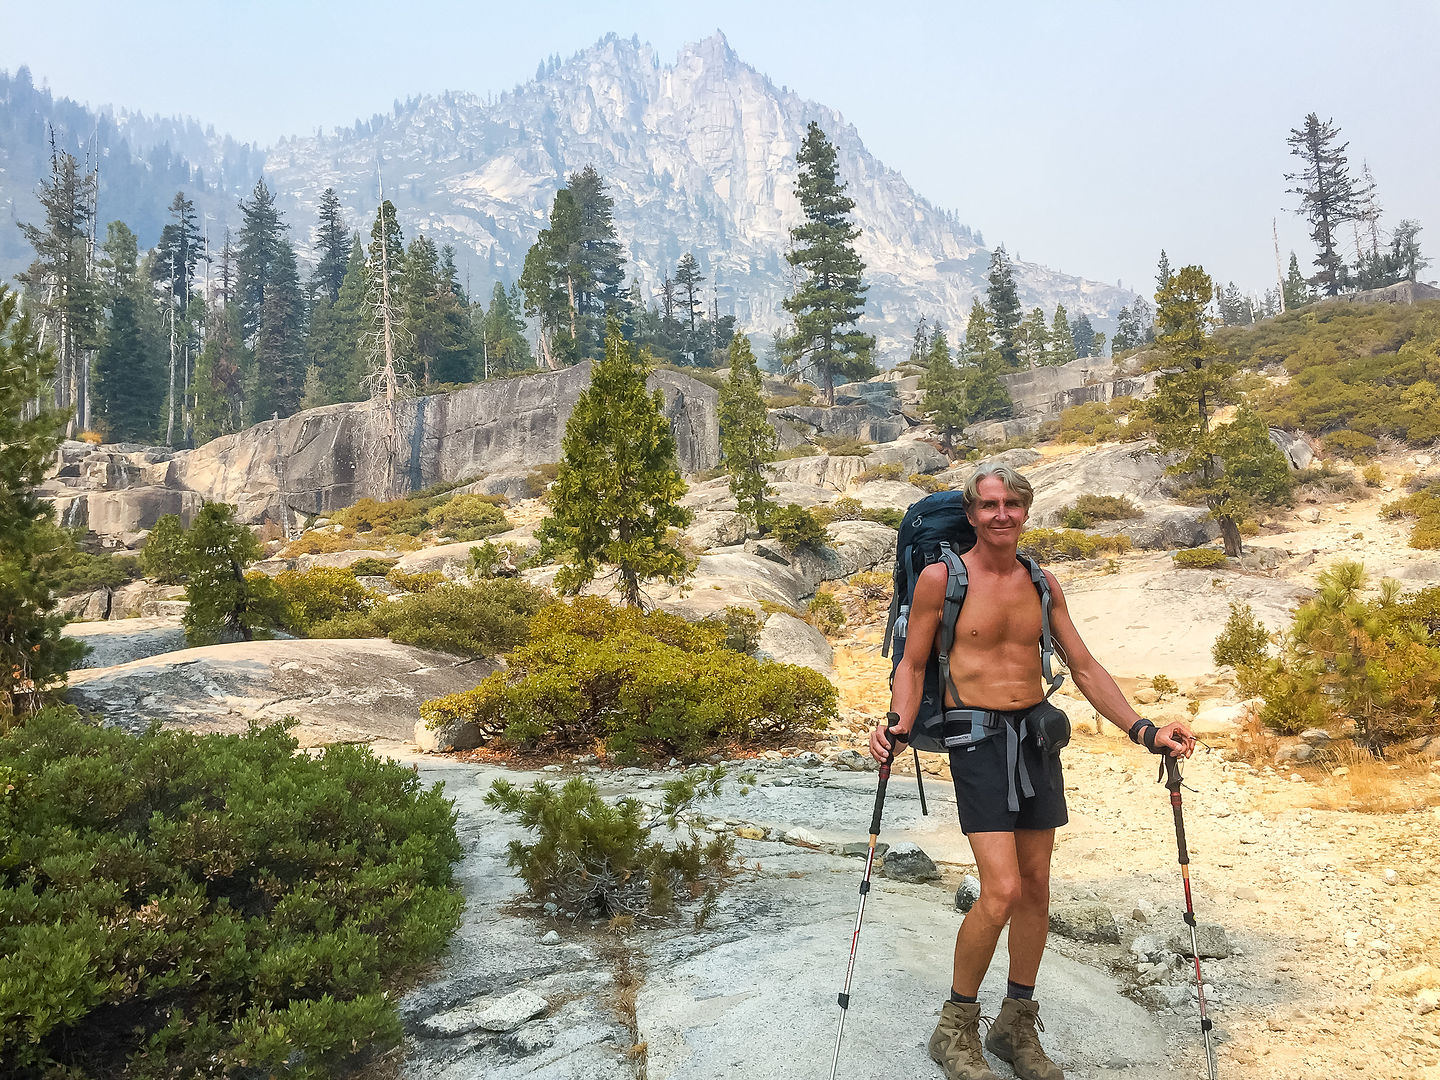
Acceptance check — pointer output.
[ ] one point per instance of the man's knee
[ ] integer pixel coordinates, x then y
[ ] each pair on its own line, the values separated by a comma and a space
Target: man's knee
1035, 886
999, 897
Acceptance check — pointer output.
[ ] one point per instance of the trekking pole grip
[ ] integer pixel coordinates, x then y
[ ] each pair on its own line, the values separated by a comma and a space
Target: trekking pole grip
1172, 782
891, 740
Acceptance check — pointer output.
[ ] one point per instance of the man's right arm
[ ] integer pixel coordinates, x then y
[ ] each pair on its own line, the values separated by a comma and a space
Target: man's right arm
908, 687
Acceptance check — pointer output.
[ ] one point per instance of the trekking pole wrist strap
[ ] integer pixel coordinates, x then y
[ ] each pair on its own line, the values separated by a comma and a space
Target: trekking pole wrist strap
1143, 734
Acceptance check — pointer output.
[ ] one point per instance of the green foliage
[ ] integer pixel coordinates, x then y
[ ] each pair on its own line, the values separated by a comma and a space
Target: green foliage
1424, 506
469, 517
742, 625
82, 572
244, 907
1051, 545
844, 446
1373, 475
224, 605
1423, 607
1243, 644
414, 583
490, 559
942, 385
370, 566
885, 515
600, 859
320, 594
891, 470
1205, 558
1098, 421
646, 683
826, 612
1163, 684
480, 619
164, 552
747, 440
1089, 509
1348, 658
927, 483
34, 657
830, 297
796, 526
617, 492
1329, 194
1002, 300
1355, 445
845, 508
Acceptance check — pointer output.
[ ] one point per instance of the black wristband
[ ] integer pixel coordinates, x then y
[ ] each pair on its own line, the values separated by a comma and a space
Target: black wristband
1139, 731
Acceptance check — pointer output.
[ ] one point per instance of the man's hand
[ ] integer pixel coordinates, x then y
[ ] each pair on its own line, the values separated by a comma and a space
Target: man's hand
880, 746
1177, 737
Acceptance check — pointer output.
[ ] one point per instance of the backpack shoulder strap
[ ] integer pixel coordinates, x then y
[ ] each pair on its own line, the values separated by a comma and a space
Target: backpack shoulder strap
956, 585
1047, 640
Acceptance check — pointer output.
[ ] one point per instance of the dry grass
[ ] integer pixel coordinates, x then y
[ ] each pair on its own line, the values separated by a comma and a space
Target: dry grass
1371, 785
1254, 742
627, 992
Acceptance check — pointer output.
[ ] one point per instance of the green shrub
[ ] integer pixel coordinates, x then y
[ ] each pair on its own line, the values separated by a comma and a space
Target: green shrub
1423, 607
1163, 684
1051, 545
540, 477
210, 905
927, 483
1354, 445
225, 605
320, 594
406, 516
1244, 642
481, 619
600, 859
369, 566
845, 446
885, 515
163, 554
81, 572
469, 517
826, 612
1097, 421
349, 624
1373, 475
414, 583
1325, 481
644, 683
742, 628
1424, 506
845, 508
1089, 509
889, 471
872, 585
1199, 558
796, 526
490, 559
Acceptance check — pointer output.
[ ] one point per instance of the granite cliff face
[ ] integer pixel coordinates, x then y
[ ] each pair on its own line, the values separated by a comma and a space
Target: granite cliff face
323, 459
699, 155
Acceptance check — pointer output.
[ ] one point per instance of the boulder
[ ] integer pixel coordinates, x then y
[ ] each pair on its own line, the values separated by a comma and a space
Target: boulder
119, 641
1128, 470
716, 528
337, 690
1210, 939
452, 560
788, 640
1296, 448
449, 737
888, 495
709, 495
1165, 528
909, 862
1084, 920
840, 471
855, 546
512, 1010
1223, 720
967, 893
871, 421
86, 607
128, 601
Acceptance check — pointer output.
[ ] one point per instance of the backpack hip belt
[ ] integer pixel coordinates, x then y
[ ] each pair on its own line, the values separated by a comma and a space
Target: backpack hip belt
982, 725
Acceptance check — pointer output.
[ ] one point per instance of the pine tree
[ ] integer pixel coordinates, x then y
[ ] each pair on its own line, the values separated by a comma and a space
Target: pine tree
34, 656
942, 396
333, 366
618, 488
271, 307
1162, 272
503, 344
1003, 303
59, 283
224, 377
1082, 335
1405, 261
333, 247
1329, 195
1125, 336
1233, 467
130, 368
747, 440
1297, 290
1034, 339
981, 394
828, 302
223, 606
687, 285
1062, 344
179, 251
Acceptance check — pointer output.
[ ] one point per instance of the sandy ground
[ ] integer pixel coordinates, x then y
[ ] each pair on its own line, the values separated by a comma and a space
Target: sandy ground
1325, 883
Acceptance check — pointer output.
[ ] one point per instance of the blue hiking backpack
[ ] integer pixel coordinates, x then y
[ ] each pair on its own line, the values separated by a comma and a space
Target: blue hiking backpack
937, 529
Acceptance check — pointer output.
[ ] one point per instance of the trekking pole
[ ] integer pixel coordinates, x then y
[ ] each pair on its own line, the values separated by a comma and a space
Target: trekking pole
891, 740
1170, 773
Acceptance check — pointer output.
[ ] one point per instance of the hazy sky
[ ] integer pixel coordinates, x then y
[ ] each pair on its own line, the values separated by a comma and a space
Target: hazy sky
1084, 135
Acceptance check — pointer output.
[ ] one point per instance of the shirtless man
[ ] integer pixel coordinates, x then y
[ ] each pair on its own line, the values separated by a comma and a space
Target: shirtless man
995, 665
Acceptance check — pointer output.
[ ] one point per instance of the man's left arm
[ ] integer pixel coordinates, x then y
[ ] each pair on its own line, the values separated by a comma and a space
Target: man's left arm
1099, 686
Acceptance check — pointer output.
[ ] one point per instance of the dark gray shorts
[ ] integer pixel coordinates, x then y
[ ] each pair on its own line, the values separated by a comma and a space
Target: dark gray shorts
982, 786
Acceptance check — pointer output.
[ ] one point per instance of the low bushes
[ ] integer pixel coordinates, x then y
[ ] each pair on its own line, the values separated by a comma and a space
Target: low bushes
794, 525
1050, 545
480, 619
1199, 558
1088, 509
469, 517
889, 471
1354, 445
81, 572
845, 446
600, 859
1424, 507
1097, 421
927, 483
742, 626
320, 594
643, 683
826, 613
845, 508
182, 905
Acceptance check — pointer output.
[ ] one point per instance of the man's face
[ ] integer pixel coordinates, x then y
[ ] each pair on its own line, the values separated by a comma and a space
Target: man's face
997, 513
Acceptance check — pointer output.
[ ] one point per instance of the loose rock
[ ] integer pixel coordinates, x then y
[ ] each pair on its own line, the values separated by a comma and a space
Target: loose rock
512, 1010
968, 893
1210, 939
1083, 920
908, 862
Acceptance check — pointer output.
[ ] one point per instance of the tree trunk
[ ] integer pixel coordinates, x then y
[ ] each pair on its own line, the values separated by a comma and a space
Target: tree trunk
1230, 533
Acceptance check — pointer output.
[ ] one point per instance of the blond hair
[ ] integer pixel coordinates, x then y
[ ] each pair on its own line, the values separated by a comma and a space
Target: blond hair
1013, 481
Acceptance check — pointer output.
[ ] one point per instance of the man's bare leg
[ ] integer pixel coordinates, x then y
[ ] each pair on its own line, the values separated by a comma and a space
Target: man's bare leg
997, 863
1030, 915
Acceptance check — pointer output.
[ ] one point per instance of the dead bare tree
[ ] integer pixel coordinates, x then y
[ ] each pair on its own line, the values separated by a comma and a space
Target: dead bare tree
387, 378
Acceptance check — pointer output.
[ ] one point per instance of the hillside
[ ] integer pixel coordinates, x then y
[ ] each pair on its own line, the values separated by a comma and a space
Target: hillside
699, 155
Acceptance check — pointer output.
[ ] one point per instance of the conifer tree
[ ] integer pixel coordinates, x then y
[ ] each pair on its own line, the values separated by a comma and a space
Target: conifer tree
1034, 339
1082, 335
981, 394
1062, 344
1003, 303
978, 349
334, 369
179, 251
224, 606
1405, 261
224, 377
130, 367
828, 302
1297, 291
271, 307
1329, 195
942, 391
34, 656
618, 488
504, 346
1125, 337
747, 440
332, 246
687, 285
1162, 272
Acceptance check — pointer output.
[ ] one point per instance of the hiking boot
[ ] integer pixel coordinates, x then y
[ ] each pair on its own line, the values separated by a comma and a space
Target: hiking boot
1013, 1038
955, 1046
